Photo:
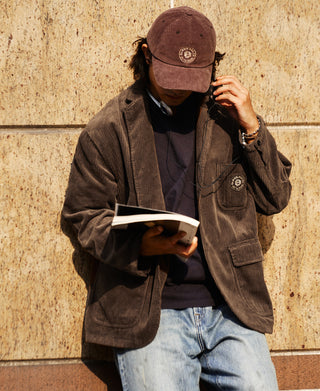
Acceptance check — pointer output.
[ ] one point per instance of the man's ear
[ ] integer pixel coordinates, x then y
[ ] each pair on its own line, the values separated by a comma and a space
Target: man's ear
146, 52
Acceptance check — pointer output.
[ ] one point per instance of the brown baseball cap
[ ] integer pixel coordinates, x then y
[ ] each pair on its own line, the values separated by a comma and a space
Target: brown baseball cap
182, 42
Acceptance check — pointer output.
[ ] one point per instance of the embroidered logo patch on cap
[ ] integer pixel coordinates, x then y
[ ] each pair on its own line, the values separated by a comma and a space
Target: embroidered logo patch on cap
237, 182
187, 55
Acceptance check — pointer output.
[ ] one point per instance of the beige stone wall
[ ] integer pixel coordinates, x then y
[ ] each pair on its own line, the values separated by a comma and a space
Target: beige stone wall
60, 62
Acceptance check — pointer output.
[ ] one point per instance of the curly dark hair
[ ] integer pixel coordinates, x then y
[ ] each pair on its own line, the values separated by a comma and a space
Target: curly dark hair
140, 68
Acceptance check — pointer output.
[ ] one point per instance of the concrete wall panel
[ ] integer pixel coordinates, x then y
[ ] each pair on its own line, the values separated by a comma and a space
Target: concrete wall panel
293, 256
61, 61
41, 295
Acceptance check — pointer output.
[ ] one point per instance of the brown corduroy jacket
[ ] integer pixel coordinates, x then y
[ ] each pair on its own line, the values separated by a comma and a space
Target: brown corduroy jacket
116, 161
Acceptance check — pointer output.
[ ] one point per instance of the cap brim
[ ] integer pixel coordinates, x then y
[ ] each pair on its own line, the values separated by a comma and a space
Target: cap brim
181, 78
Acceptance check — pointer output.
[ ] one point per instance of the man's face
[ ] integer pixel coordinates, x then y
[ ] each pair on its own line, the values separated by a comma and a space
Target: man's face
170, 97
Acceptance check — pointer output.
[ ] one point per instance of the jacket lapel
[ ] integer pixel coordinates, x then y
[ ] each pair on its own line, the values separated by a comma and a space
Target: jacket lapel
143, 154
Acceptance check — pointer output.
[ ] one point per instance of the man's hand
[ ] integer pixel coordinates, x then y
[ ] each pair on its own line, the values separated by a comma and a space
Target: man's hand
153, 243
231, 94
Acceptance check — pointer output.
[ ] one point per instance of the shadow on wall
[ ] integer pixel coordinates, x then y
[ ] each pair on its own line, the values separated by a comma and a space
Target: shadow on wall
266, 231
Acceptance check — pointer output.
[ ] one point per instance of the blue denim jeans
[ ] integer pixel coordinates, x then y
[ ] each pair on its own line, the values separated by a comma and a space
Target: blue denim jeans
199, 343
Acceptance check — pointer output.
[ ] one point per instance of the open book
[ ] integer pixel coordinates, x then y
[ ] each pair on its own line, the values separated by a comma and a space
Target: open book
171, 222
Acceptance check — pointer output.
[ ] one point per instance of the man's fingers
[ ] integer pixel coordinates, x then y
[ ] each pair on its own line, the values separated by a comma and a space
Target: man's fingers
176, 237
187, 251
153, 243
154, 231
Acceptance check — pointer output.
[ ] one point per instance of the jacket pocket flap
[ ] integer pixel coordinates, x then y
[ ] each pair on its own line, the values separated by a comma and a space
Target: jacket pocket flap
246, 252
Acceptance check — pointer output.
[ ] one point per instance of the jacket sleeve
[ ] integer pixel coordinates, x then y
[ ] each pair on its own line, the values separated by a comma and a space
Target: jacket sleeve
89, 206
268, 173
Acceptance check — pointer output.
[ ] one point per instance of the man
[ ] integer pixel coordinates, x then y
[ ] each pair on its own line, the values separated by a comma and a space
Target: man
164, 143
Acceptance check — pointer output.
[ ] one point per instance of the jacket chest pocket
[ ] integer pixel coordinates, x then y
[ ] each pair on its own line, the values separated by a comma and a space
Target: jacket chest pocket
232, 190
